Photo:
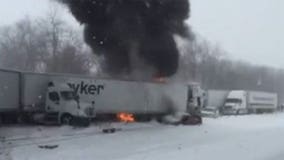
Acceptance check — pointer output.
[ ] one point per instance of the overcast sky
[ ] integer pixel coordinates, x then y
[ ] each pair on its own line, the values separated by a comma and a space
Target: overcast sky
250, 30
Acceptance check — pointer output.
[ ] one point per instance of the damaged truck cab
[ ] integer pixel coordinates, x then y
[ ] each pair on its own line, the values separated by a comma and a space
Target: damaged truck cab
196, 98
61, 100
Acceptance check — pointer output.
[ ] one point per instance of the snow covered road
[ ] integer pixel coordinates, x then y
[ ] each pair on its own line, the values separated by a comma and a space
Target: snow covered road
254, 137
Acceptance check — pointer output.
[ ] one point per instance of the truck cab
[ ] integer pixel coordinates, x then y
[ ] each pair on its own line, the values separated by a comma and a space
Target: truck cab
195, 99
62, 101
235, 103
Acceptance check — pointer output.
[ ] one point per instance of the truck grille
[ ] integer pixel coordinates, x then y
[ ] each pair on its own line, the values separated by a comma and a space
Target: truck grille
228, 107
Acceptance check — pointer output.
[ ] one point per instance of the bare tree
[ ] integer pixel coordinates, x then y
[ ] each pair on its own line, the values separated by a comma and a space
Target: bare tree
21, 46
44, 45
205, 63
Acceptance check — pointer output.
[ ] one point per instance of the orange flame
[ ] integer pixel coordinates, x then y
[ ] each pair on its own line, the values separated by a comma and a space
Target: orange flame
125, 117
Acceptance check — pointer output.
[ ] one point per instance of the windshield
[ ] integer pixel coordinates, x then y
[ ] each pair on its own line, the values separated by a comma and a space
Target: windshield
233, 100
68, 95
209, 109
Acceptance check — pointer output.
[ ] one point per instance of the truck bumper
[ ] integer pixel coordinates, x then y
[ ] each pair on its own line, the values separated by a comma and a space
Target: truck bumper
229, 112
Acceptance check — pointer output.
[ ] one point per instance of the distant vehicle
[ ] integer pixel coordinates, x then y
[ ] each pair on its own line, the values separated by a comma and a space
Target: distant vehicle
215, 98
210, 111
214, 101
244, 102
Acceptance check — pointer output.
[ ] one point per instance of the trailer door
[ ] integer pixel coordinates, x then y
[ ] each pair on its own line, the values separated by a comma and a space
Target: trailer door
9, 91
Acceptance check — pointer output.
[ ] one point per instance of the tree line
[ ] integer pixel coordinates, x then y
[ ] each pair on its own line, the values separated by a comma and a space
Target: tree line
209, 65
45, 44
49, 44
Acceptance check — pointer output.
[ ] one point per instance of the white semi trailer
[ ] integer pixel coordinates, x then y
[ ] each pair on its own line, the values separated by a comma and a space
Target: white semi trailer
66, 97
214, 101
142, 99
244, 102
216, 98
40, 98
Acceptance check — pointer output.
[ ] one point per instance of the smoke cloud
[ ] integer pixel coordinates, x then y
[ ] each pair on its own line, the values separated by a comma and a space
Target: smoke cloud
116, 29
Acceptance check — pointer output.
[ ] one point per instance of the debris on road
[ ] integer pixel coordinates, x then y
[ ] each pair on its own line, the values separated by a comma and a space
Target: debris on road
48, 146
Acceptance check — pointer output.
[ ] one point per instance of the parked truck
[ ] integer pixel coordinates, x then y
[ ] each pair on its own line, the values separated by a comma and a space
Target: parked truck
66, 98
244, 102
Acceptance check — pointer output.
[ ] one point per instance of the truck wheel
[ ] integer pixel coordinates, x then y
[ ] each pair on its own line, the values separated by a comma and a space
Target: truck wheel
66, 119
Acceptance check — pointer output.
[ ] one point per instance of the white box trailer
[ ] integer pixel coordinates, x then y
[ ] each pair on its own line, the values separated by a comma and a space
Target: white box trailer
262, 101
214, 101
216, 98
111, 96
9, 91
243, 102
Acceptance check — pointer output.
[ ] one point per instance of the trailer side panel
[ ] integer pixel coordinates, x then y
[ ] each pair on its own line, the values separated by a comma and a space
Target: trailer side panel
9, 91
216, 98
262, 100
34, 87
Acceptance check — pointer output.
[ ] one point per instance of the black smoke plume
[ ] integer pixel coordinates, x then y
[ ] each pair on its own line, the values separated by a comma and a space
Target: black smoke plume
114, 28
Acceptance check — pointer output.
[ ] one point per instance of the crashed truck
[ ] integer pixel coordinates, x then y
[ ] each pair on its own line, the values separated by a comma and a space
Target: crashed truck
67, 99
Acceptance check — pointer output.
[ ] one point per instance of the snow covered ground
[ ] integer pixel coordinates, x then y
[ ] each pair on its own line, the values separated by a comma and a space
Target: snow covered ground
252, 137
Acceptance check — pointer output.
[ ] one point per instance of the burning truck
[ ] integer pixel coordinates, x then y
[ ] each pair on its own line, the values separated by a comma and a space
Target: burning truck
67, 99
134, 38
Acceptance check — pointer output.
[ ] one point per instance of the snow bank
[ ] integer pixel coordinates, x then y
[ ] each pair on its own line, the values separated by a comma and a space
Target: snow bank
252, 137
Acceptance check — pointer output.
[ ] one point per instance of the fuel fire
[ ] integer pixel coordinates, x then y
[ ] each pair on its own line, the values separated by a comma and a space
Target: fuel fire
125, 117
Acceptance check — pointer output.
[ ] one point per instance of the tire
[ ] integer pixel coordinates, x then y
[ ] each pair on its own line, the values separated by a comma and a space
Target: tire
66, 119
112, 130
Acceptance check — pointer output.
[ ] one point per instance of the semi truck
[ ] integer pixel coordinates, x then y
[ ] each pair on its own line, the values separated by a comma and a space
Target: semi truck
39, 98
66, 98
246, 102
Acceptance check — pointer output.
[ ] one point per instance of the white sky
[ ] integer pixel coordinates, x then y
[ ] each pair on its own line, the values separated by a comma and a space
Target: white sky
250, 30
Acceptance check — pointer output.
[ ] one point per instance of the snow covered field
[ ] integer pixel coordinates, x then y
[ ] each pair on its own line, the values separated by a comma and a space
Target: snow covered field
253, 137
